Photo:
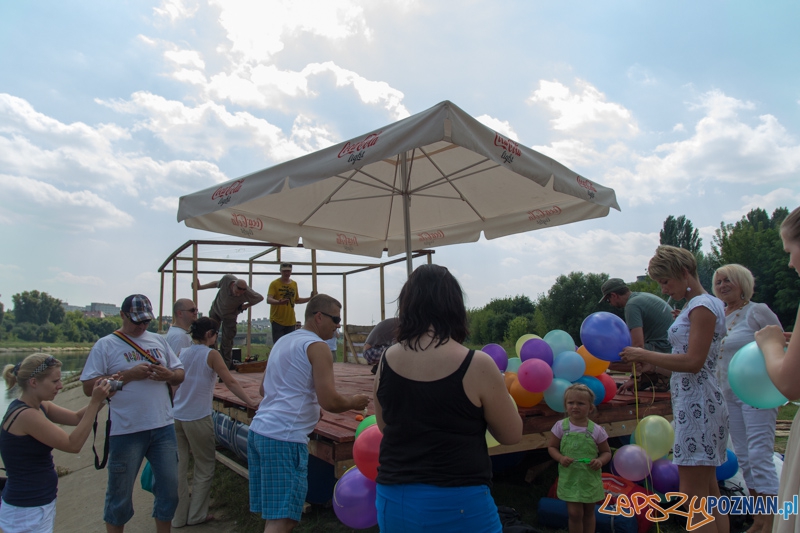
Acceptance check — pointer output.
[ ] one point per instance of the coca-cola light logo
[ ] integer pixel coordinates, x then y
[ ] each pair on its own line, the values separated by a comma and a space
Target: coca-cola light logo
510, 148
348, 242
588, 185
428, 238
247, 223
542, 216
224, 193
355, 151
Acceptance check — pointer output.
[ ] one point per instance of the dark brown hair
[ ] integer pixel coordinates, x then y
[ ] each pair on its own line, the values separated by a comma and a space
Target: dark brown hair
431, 299
201, 326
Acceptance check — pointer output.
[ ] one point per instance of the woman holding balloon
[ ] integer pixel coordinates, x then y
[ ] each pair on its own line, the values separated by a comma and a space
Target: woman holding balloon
752, 429
700, 413
783, 369
434, 400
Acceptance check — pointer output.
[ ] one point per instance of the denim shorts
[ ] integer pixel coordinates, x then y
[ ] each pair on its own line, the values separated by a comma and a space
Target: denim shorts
126, 454
418, 507
278, 477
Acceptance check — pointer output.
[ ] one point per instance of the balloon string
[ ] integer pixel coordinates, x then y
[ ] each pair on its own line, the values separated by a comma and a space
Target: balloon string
636, 404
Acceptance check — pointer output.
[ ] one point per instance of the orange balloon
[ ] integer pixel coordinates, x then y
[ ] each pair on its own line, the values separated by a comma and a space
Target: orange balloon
510, 378
524, 398
594, 366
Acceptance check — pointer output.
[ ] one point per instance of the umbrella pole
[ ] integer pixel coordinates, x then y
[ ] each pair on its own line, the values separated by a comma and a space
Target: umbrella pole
406, 212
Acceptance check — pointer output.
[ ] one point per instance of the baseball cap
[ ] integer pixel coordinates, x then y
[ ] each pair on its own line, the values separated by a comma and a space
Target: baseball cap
286, 266
138, 307
610, 286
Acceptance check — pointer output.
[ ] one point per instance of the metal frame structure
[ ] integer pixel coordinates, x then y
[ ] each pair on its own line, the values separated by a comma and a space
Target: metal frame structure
340, 269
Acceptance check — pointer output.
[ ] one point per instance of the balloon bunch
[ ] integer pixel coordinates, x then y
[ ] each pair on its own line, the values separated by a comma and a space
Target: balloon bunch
354, 493
547, 366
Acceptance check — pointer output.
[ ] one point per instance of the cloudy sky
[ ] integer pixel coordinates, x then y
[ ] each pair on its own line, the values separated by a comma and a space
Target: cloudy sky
110, 111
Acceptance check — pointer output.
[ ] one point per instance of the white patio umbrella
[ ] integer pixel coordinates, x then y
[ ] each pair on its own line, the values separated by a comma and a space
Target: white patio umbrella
438, 177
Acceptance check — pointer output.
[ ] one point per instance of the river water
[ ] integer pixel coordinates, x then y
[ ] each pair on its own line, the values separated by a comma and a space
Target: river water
71, 362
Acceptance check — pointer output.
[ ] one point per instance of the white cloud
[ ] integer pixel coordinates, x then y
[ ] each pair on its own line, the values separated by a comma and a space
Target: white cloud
78, 155
168, 204
73, 279
724, 147
257, 30
781, 197
500, 126
80, 210
175, 9
584, 112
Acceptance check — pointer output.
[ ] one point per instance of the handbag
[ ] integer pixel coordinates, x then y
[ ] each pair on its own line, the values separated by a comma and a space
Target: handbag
147, 478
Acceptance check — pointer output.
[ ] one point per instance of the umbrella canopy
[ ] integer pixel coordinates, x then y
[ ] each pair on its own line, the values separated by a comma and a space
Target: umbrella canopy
436, 178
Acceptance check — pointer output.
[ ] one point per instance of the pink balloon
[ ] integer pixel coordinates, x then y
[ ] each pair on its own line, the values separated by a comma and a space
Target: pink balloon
535, 375
632, 462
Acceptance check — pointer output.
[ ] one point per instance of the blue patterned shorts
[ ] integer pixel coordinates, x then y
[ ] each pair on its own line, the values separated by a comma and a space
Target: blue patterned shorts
278, 477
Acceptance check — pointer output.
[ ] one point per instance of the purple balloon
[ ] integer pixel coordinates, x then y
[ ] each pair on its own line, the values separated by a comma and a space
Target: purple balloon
536, 349
665, 476
632, 462
354, 500
605, 335
498, 353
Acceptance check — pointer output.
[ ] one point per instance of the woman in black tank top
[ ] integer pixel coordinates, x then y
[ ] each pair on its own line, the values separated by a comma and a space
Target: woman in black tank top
434, 400
28, 435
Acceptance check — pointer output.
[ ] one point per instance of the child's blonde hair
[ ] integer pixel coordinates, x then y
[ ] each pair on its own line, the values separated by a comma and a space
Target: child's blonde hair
580, 388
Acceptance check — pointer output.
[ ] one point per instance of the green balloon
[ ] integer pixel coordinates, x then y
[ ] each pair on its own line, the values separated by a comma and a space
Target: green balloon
367, 422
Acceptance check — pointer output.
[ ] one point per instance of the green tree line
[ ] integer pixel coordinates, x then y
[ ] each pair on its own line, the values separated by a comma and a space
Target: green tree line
39, 317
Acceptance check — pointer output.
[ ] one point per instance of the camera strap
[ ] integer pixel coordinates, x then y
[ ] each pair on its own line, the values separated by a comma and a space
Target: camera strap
144, 354
98, 464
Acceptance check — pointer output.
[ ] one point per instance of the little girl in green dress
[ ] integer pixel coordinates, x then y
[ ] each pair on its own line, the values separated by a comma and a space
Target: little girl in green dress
581, 448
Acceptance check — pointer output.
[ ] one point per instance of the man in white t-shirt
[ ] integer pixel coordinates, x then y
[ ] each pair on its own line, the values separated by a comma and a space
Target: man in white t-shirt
140, 413
184, 312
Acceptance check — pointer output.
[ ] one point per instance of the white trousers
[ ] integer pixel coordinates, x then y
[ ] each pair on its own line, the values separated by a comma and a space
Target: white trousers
753, 435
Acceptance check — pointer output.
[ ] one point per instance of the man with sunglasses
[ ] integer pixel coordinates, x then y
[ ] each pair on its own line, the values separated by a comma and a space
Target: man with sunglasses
234, 297
140, 413
184, 312
297, 383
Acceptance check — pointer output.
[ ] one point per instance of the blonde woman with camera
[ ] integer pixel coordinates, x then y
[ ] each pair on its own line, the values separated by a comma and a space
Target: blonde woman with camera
27, 438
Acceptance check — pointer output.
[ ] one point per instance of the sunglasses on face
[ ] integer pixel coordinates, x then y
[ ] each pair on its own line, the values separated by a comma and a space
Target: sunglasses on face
140, 322
192, 310
336, 319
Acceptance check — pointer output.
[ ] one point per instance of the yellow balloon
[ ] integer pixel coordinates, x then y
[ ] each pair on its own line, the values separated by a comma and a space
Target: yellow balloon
491, 442
655, 434
523, 339
594, 366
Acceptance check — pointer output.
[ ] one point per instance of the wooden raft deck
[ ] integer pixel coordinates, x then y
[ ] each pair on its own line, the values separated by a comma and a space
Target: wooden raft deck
332, 439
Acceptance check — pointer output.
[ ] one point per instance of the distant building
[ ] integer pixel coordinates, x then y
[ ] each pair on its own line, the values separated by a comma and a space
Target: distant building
94, 314
108, 309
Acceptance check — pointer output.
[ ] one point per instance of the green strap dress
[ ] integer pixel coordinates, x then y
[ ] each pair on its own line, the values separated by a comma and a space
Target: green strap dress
577, 482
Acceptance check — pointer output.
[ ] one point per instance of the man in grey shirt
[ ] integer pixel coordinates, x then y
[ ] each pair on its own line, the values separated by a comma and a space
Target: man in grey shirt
233, 297
648, 317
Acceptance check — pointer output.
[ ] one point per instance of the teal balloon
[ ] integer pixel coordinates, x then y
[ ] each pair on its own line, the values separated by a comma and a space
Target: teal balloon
554, 395
747, 375
513, 364
560, 341
570, 366
596, 387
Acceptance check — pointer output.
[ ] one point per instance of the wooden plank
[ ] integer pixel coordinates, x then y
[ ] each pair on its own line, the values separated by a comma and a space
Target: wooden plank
233, 465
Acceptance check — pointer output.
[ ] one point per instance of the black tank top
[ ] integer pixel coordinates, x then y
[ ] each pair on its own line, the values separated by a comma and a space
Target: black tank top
32, 479
434, 434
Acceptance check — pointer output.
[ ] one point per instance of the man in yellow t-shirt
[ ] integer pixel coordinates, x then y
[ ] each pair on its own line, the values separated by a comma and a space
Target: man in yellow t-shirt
282, 297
